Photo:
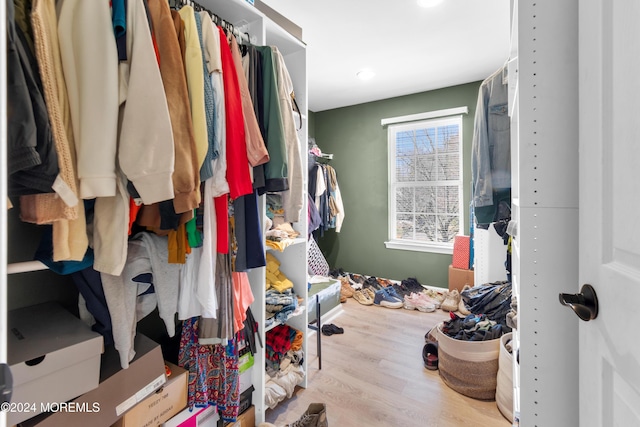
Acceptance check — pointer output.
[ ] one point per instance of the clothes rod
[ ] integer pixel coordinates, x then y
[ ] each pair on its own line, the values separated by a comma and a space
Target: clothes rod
25, 267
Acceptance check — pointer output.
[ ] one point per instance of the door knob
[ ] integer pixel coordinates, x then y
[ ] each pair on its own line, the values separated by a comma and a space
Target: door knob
584, 304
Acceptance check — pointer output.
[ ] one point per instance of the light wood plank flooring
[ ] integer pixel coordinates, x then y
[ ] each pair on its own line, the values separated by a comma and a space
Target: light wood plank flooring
373, 376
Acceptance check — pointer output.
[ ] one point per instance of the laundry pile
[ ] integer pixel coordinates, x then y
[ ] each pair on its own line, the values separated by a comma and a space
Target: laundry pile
284, 356
473, 327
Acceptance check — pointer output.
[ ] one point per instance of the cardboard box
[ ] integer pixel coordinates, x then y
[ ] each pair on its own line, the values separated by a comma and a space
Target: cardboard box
246, 419
198, 417
53, 355
160, 406
119, 389
459, 277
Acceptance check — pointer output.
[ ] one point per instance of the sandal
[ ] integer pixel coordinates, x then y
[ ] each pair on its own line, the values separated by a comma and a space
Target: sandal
430, 355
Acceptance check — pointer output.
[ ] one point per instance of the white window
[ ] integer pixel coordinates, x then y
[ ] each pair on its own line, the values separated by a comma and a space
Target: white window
425, 184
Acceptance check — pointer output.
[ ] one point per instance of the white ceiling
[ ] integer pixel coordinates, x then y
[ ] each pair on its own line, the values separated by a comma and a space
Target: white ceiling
411, 49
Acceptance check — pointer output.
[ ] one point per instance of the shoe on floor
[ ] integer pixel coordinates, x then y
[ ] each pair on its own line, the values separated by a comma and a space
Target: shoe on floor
314, 416
384, 299
462, 307
419, 302
451, 301
430, 355
331, 329
362, 297
370, 293
346, 289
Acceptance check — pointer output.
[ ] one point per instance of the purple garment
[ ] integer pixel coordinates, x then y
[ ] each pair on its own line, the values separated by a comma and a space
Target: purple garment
313, 216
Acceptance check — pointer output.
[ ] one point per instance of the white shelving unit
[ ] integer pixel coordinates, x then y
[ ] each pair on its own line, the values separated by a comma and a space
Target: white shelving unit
543, 142
266, 32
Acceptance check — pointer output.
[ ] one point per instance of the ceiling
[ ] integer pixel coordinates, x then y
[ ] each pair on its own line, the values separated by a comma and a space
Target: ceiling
410, 49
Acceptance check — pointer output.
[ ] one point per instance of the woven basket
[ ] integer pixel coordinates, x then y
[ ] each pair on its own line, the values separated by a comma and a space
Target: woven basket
469, 367
504, 386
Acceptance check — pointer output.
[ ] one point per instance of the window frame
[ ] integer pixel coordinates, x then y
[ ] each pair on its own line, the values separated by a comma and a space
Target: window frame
422, 121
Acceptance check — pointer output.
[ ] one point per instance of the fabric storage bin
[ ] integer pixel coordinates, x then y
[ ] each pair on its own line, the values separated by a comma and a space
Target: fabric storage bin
468, 367
504, 386
328, 293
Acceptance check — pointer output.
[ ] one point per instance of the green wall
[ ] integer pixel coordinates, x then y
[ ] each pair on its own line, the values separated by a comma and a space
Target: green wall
358, 142
312, 124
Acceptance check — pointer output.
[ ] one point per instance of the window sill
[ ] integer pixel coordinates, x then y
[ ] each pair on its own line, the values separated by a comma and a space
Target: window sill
417, 247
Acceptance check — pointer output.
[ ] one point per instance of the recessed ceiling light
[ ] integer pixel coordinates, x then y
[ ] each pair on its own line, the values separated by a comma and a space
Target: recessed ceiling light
429, 3
365, 74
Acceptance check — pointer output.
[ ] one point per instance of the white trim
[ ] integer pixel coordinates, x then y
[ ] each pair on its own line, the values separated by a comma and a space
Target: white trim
3, 195
427, 115
418, 247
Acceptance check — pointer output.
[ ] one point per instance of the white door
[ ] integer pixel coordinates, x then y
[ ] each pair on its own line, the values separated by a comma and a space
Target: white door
609, 80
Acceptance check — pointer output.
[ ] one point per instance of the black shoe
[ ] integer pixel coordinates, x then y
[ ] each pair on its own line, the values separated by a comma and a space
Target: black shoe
430, 355
373, 283
331, 329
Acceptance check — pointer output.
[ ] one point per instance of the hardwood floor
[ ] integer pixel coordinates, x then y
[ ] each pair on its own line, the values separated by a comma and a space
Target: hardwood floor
373, 376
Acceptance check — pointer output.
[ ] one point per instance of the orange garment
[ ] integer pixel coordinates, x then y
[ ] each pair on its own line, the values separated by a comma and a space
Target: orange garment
296, 344
242, 299
178, 245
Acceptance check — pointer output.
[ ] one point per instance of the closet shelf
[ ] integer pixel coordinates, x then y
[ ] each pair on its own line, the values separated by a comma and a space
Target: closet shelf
297, 312
296, 241
25, 267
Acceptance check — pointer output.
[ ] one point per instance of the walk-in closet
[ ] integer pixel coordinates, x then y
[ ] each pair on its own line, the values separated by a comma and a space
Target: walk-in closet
274, 213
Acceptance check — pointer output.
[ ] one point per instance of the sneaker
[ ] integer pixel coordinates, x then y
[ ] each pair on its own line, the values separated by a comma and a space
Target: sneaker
346, 289
354, 284
462, 307
370, 293
437, 296
356, 278
372, 282
385, 299
418, 302
390, 290
384, 282
362, 297
451, 301
314, 416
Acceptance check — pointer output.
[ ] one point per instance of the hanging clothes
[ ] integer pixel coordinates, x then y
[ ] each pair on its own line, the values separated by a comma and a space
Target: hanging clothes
292, 197
276, 171
238, 175
491, 149
256, 151
63, 209
195, 77
185, 174
32, 159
